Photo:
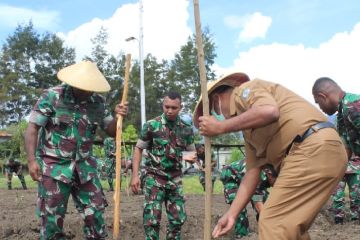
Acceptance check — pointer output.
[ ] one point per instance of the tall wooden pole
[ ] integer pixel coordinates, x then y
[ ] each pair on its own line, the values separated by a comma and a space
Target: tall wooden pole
118, 153
205, 100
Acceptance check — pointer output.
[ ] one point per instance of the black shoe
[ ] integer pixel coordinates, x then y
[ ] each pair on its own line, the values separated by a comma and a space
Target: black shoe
355, 220
339, 220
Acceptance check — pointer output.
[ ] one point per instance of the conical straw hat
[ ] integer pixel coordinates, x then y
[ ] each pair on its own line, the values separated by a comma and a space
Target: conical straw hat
85, 76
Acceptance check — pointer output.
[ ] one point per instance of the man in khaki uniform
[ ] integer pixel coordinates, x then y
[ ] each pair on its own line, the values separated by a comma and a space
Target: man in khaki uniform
281, 129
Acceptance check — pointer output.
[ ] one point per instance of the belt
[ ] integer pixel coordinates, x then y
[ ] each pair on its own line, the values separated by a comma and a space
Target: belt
309, 131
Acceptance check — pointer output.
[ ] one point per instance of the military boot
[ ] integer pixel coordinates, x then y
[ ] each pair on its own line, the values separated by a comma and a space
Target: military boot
23, 185
9, 186
339, 220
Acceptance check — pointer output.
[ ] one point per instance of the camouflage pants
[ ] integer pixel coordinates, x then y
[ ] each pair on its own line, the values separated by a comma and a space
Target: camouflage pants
158, 191
353, 182
52, 202
202, 179
242, 221
20, 176
110, 171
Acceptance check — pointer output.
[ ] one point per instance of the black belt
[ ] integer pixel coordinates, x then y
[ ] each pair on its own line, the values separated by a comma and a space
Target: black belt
309, 131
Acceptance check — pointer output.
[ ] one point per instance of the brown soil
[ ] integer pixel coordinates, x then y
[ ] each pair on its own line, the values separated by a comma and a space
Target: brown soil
18, 220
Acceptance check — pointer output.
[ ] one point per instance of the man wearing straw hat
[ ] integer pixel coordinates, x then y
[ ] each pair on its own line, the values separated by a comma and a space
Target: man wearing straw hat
283, 130
59, 141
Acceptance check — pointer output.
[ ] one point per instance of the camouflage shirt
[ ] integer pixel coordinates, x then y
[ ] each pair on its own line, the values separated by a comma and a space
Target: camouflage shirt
67, 132
201, 158
109, 147
164, 141
232, 175
348, 124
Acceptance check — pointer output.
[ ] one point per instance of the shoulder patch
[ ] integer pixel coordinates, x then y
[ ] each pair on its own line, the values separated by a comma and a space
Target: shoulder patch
245, 94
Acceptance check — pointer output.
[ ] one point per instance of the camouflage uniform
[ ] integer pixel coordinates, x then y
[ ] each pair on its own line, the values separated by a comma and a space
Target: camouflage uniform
348, 125
231, 177
109, 147
64, 153
201, 158
14, 166
164, 142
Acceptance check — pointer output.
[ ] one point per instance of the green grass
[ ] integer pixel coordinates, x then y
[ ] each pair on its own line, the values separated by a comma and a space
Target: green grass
191, 184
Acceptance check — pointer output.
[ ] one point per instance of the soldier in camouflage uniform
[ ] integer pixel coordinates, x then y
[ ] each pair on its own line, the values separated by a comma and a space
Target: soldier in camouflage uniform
109, 147
59, 142
200, 150
164, 138
331, 99
231, 177
14, 166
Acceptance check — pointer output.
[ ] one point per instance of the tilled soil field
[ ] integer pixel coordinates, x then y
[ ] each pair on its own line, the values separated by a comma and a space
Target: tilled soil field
18, 220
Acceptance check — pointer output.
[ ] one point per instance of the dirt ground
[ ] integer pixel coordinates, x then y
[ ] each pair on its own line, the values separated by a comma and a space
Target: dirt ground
18, 220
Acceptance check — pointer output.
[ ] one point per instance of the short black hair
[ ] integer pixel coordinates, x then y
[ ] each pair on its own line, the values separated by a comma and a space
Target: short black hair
199, 145
320, 83
222, 89
173, 95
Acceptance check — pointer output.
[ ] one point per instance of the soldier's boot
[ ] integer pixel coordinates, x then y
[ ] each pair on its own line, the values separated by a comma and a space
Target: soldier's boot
111, 188
355, 220
339, 220
23, 183
9, 186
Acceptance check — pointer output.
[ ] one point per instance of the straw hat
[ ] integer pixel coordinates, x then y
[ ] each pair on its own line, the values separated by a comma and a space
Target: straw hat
85, 76
234, 79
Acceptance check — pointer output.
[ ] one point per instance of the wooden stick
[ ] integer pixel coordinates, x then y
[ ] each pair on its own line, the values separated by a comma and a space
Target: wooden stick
205, 100
118, 153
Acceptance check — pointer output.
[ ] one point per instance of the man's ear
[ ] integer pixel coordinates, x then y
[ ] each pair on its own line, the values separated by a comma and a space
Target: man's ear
322, 95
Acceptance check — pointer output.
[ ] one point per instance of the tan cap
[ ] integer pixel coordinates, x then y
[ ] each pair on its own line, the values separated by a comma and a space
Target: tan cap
85, 76
234, 79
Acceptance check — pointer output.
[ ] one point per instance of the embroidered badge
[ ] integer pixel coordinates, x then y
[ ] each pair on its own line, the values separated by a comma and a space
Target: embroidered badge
245, 93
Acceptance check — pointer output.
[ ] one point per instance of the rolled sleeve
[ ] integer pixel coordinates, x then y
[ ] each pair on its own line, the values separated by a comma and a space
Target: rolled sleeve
108, 118
142, 144
38, 118
43, 109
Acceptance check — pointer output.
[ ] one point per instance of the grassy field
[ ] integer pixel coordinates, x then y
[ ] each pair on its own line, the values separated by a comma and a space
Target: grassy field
191, 184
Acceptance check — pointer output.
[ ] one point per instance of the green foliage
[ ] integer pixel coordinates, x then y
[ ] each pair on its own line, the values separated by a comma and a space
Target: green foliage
98, 151
16, 144
28, 64
129, 134
183, 74
236, 155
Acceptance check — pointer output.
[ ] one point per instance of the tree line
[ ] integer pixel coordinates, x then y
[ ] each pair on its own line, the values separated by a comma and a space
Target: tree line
29, 62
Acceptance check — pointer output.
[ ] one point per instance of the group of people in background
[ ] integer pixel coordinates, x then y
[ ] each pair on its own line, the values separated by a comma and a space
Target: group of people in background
290, 147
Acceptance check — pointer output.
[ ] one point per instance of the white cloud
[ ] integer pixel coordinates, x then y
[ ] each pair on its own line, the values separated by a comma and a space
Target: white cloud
252, 26
165, 29
255, 27
297, 67
11, 16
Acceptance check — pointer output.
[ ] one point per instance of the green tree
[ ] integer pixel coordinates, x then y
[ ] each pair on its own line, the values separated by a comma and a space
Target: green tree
16, 144
28, 64
129, 134
183, 74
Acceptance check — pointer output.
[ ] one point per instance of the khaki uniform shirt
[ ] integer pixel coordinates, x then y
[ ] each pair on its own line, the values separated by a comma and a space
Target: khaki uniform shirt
268, 144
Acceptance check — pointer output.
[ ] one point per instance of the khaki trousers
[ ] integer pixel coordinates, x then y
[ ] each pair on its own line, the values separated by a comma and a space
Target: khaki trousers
308, 176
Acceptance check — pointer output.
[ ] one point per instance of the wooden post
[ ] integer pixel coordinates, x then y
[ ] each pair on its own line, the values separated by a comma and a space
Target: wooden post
118, 153
205, 100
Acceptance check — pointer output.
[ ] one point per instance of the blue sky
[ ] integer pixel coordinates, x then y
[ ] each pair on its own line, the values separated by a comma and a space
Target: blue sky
292, 42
